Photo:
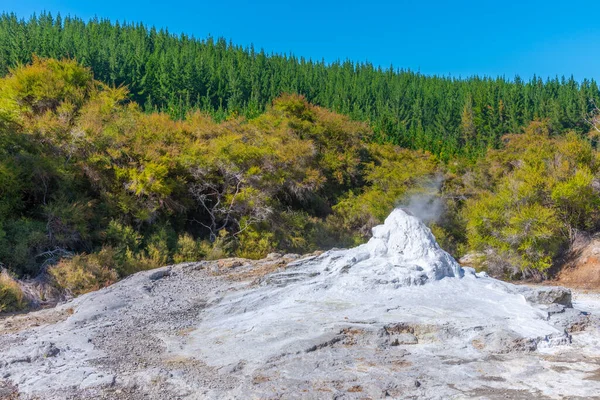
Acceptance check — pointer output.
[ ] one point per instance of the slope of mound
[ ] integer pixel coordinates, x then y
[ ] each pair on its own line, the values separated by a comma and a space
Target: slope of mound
394, 317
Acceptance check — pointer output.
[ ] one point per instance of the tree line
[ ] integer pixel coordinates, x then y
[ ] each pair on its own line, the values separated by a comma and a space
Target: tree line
179, 73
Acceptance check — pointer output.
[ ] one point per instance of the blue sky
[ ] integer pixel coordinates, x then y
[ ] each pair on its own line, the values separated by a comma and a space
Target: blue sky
458, 38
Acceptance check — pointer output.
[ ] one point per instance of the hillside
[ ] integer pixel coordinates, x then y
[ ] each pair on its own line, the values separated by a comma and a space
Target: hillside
94, 188
178, 73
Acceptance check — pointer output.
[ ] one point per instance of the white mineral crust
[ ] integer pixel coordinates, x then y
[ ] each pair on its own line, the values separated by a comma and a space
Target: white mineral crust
394, 317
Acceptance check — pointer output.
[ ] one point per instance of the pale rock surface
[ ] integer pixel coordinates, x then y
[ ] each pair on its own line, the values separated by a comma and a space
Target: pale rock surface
396, 317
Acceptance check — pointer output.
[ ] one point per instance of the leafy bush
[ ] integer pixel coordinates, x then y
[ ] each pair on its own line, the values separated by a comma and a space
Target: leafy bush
86, 272
392, 175
24, 240
536, 193
221, 247
46, 85
255, 243
157, 251
11, 295
188, 249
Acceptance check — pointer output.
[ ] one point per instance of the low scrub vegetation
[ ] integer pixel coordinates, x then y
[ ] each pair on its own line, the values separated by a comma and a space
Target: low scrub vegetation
531, 198
11, 295
92, 188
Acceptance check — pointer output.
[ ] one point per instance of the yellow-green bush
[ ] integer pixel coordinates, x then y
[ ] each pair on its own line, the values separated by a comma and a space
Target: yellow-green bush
86, 272
255, 244
221, 247
11, 295
45, 85
537, 192
393, 174
188, 249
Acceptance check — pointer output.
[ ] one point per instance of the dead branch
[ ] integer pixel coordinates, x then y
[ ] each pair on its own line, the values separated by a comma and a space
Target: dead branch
220, 202
593, 118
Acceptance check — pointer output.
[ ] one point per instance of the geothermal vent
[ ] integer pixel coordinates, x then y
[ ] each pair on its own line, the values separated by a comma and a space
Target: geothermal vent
402, 252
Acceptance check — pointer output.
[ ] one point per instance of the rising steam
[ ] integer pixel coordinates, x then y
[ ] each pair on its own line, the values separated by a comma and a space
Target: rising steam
426, 204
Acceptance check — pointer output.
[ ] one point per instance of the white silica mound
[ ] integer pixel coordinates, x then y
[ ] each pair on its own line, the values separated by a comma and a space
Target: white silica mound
402, 252
400, 276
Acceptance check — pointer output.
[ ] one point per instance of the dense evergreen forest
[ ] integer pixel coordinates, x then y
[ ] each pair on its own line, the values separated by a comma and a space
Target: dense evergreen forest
179, 73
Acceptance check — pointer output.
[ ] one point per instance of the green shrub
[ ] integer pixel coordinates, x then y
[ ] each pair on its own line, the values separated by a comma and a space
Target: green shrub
45, 85
220, 248
188, 249
122, 237
86, 272
255, 244
24, 239
11, 295
533, 196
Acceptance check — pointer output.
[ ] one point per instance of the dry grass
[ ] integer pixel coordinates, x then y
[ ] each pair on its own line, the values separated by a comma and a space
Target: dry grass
241, 269
84, 273
17, 323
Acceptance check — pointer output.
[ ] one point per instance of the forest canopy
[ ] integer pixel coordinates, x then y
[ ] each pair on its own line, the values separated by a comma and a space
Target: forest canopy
178, 73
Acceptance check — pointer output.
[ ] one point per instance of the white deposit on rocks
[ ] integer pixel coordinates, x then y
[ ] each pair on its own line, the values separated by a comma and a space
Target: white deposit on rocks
396, 317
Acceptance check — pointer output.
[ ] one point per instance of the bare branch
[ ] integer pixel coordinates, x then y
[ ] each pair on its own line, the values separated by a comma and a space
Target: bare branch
593, 118
220, 200
53, 256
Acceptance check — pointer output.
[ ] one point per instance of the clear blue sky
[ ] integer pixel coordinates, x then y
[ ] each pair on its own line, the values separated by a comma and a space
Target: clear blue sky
457, 38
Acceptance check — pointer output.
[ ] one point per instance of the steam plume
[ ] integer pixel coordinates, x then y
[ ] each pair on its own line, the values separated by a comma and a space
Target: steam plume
427, 204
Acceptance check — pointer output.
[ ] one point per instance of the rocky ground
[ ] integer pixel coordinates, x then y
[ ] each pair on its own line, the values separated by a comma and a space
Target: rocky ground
395, 318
